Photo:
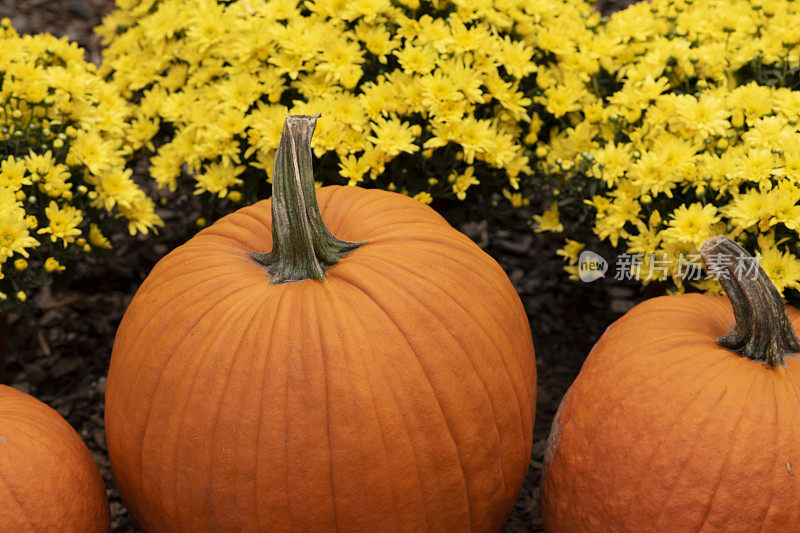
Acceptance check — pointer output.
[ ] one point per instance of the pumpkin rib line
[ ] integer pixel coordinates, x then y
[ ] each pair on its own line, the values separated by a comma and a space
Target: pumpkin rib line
124, 399
472, 255
216, 424
74, 473
438, 236
437, 227
794, 388
426, 220
249, 214
790, 428
401, 221
790, 387
725, 461
709, 413
286, 443
222, 254
501, 326
373, 199
327, 408
164, 307
612, 398
268, 229
201, 243
365, 201
148, 288
148, 410
263, 376
775, 442
169, 280
383, 442
678, 417
686, 340
182, 415
236, 221
472, 365
405, 431
503, 297
430, 384
16, 500
404, 233
220, 244
169, 301
322, 203
698, 317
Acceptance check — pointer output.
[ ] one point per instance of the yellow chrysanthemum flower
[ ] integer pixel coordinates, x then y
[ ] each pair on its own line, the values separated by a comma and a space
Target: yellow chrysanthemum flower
62, 223
14, 234
52, 265
549, 220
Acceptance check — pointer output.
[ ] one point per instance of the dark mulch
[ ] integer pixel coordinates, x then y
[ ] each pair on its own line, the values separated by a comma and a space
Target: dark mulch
567, 317
71, 18
59, 351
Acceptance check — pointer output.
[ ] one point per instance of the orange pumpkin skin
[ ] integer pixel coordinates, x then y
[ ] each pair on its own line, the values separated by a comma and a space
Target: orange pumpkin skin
48, 479
398, 394
664, 430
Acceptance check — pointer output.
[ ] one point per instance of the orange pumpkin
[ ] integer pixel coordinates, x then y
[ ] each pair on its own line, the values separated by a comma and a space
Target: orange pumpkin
382, 383
48, 479
665, 429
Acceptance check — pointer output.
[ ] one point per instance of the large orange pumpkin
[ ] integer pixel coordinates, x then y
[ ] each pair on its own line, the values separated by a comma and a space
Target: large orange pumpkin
48, 479
385, 383
674, 424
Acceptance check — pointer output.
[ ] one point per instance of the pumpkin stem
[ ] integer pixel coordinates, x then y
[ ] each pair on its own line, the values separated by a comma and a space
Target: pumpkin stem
763, 331
302, 247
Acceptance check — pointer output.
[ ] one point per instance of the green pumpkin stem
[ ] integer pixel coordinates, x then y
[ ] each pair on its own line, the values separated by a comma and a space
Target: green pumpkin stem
302, 247
763, 331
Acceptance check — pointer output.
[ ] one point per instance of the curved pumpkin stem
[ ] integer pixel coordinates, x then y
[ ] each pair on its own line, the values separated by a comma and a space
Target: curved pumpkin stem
302, 247
763, 331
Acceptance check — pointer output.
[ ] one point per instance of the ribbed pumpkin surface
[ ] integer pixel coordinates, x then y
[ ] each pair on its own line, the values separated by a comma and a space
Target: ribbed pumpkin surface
664, 430
48, 479
397, 394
